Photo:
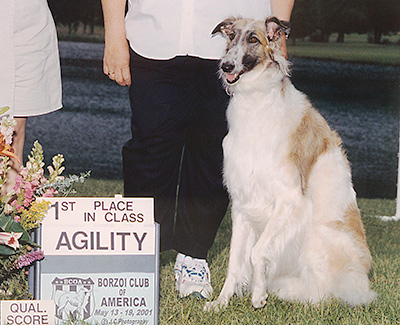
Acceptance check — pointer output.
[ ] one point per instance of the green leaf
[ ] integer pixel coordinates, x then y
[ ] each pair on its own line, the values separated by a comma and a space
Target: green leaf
4, 222
8, 224
7, 251
16, 227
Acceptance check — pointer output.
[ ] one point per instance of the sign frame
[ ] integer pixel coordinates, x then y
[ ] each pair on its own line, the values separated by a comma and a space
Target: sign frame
139, 268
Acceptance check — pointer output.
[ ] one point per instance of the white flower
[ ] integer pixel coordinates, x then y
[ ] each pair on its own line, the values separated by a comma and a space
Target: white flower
50, 169
10, 239
8, 209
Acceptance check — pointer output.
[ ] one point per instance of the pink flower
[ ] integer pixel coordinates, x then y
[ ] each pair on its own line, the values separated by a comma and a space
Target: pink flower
18, 206
49, 192
18, 182
25, 171
17, 219
10, 239
28, 190
27, 201
35, 182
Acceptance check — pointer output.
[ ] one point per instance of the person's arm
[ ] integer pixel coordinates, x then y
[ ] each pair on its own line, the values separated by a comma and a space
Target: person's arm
282, 9
116, 51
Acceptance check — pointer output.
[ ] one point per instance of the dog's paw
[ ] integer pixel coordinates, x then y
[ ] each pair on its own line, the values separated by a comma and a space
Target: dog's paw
259, 301
215, 306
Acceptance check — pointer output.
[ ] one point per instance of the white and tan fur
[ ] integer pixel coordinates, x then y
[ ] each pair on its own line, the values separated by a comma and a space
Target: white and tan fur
296, 228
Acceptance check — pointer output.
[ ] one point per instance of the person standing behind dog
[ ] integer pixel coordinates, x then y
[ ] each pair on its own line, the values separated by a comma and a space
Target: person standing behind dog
178, 116
30, 78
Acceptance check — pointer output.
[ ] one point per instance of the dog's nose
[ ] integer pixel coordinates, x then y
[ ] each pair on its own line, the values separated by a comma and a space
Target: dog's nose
227, 67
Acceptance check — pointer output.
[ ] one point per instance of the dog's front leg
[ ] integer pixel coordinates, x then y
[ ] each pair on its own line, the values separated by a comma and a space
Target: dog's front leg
239, 267
287, 220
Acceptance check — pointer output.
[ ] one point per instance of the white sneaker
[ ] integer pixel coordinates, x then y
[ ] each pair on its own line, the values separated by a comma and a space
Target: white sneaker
192, 277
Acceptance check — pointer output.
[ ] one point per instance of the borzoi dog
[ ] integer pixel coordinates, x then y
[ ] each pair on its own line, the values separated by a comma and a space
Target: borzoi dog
296, 228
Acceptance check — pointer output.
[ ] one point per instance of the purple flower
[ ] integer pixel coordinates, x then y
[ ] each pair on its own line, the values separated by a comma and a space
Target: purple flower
29, 258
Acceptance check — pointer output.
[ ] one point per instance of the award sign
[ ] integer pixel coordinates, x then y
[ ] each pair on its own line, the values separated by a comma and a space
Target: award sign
27, 312
101, 260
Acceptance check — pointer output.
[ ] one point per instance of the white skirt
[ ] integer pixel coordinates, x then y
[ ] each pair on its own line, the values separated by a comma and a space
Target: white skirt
31, 80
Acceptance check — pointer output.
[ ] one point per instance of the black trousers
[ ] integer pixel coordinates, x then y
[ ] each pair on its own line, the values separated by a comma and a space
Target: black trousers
175, 154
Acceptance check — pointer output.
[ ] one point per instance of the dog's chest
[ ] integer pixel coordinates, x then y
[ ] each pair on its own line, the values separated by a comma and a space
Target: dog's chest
256, 150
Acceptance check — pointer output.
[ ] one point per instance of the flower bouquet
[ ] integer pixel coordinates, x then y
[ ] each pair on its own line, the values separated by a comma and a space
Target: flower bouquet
21, 211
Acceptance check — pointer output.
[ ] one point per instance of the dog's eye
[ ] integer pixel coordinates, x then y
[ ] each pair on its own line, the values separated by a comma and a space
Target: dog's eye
253, 40
231, 36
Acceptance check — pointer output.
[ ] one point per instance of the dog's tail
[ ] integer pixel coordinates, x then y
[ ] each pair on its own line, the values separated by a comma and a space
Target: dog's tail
352, 288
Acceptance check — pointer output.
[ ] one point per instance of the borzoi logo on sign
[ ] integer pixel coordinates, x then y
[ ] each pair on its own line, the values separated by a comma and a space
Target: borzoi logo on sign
101, 260
73, 298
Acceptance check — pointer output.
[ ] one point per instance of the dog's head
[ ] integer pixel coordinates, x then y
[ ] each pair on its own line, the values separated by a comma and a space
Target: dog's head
250, 43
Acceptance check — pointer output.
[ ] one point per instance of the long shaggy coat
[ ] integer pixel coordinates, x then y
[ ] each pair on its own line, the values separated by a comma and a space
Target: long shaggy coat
297, 230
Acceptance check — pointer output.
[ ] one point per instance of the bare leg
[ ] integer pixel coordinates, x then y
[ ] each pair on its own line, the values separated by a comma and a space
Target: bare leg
18, 146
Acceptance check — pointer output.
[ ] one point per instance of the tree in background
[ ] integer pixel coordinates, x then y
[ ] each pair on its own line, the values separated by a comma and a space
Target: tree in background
65, 12
318, 19
349, 17
304, 19
383, 16
91, 14
72, 12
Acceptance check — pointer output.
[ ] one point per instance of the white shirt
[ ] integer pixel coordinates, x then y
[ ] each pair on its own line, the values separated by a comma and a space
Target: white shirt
7, 63
163, 29
30, 77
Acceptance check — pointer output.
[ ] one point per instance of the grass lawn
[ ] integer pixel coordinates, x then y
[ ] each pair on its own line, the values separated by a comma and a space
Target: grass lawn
384, 242
78, 35
99, 187
383, 239
354, 49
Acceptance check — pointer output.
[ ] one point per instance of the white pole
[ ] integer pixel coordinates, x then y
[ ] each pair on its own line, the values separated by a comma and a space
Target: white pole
398, 184
397, 216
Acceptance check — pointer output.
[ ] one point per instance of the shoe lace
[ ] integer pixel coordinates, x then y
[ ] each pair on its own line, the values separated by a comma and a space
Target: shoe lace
196, 272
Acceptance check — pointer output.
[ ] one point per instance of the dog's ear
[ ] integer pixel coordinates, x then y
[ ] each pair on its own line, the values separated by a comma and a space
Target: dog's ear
224, 27
275, 28
276, 35
275, 32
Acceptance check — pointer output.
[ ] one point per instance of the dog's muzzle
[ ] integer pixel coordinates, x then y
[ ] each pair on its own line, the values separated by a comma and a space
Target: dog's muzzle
230, 77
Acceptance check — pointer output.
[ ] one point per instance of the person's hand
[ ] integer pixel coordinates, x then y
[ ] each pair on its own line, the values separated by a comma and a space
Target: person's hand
116, 62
